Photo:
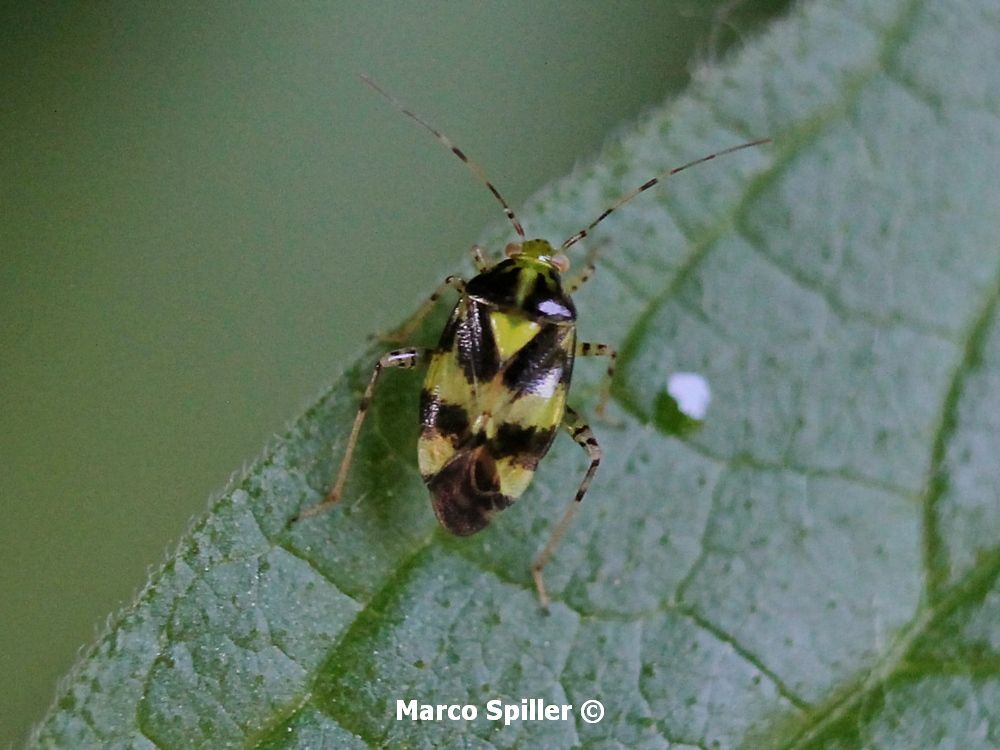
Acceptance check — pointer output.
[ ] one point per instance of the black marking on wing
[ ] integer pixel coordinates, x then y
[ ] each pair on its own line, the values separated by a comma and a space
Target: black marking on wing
428, 406
468, 334
528, 444
465, 494
532, 367
453, 421
447, 340
446, 419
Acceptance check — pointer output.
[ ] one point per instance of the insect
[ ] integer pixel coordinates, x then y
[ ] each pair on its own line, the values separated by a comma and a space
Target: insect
496, 384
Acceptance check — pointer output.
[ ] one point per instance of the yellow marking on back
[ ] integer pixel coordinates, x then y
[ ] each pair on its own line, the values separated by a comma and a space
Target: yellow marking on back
525, 283
512, 332
537, 411
434, 450
514, 477
446, 380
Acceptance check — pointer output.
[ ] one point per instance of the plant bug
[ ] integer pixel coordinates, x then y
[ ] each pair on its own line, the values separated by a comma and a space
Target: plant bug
496, 384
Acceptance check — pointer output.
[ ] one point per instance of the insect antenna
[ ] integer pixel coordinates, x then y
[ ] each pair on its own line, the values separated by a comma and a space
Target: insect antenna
473, 166
650, 183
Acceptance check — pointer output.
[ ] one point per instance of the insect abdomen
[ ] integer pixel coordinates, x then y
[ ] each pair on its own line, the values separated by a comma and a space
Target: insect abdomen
466, 494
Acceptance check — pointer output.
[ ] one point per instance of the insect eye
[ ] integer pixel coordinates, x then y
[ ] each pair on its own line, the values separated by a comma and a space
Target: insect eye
561, 262
512, 249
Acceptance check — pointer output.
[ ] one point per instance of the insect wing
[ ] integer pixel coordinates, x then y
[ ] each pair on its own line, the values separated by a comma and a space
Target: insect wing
494, 395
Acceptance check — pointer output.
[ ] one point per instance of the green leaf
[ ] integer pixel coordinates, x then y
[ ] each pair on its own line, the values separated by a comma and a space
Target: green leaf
817, 566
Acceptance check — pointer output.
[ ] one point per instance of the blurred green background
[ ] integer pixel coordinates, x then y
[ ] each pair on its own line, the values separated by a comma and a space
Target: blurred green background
204, 212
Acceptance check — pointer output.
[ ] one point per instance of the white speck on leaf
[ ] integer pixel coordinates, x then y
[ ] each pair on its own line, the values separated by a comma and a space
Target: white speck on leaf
691, 392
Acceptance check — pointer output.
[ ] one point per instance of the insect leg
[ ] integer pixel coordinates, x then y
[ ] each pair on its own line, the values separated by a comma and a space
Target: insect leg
584, 275
404, 332
406, 358
479, 258
586, 349
581, 278
584, 437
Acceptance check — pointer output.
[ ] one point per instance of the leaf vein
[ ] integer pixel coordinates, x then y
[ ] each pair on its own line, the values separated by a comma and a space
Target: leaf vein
833, 301
747, 655
935, 555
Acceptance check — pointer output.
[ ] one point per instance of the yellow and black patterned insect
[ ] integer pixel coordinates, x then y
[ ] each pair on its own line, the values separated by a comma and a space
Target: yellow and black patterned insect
497, 382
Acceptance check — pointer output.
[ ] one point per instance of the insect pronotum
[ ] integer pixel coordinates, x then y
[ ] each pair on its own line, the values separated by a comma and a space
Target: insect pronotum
496, 384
